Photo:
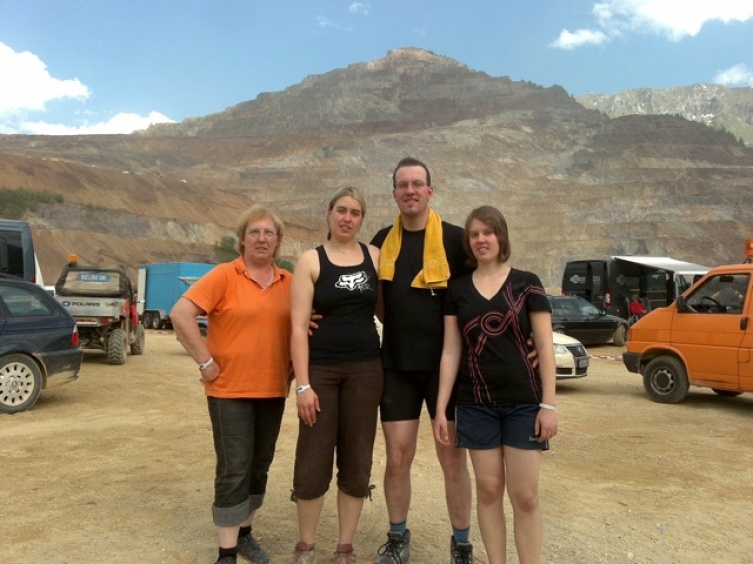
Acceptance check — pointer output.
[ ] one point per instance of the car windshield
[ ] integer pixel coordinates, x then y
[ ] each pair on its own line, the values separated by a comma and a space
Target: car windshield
587, 309
720, 294
92, 282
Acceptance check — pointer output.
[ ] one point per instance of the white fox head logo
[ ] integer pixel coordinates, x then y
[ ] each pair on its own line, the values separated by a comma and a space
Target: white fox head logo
356, 281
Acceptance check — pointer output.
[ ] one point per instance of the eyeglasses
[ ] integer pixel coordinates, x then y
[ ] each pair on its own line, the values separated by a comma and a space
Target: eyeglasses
256, 233
416, 184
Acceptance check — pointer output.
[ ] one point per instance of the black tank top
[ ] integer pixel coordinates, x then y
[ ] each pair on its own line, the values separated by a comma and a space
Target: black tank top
346, 297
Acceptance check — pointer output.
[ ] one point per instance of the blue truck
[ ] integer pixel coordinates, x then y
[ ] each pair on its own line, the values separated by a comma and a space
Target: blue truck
160, 285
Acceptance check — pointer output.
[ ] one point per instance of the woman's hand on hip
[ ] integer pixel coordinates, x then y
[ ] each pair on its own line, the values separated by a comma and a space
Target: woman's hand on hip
210, 373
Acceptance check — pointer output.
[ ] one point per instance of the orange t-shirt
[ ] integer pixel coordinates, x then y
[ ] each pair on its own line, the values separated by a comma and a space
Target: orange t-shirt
249, 331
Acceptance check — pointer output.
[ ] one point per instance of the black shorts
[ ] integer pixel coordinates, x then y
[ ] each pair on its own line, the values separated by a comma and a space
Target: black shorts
481, 427
405, 392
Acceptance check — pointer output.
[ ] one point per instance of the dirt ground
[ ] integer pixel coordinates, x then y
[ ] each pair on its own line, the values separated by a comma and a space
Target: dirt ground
117, 468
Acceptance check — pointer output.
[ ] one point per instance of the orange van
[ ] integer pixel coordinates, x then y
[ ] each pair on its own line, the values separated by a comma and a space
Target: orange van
704, 338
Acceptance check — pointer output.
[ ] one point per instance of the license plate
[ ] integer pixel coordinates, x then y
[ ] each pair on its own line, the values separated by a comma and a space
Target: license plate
582, 362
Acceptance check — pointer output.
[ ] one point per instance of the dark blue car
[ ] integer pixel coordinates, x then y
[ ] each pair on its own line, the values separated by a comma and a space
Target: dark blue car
39, 344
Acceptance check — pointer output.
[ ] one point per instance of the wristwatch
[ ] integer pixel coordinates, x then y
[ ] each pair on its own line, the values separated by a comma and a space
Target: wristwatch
302, 388
207, 364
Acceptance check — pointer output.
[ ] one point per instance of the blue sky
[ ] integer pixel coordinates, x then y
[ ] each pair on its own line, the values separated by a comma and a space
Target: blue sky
108, 66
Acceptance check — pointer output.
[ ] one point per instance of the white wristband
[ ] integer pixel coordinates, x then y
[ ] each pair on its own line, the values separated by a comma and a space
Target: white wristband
548, 406
207, 364
302, 388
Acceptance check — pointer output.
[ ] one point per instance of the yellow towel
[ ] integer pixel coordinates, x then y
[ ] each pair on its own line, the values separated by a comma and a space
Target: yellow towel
436, 270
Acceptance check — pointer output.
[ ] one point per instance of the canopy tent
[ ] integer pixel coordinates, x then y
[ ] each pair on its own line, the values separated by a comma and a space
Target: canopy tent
666, 263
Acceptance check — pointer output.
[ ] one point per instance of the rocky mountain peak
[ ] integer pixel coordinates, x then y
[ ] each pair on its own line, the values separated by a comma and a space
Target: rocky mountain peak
573, 183
410, 88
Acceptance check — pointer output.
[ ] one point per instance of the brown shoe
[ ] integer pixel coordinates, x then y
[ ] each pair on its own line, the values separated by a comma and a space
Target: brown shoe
304, 553
344, 554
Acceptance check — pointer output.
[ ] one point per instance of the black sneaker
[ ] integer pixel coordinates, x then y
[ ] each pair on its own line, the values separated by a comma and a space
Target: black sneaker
251, 550
460, 552
396, 550
225, 560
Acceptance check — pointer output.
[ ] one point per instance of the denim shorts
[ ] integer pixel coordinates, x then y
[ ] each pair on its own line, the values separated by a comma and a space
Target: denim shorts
482, 427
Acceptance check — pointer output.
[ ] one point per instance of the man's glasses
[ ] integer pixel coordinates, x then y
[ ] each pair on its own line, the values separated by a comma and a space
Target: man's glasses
416, 184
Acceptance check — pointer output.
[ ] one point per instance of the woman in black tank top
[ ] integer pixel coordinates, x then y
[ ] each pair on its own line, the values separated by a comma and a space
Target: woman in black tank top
338, 374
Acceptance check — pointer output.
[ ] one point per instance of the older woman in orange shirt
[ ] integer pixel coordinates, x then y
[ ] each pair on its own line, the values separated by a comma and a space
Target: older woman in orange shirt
244, 365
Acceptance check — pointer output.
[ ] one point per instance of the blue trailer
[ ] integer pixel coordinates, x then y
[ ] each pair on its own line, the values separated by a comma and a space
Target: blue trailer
160, 285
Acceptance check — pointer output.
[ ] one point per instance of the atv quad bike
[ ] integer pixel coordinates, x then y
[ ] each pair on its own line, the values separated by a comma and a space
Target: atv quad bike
102, 301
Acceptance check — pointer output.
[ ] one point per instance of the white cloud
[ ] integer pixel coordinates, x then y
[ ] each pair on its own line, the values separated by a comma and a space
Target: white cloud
672, 18
675, 19
28, 86
568, 40
121, 123
360, 8
738, 75
323, 21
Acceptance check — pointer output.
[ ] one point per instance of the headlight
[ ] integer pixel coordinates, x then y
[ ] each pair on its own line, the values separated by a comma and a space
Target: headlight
560, 349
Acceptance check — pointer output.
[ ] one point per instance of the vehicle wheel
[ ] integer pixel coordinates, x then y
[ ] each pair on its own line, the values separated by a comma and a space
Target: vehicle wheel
619, 336
147, 319
726, 393
20, 383
117, 346
203, 331
666, 380
139, 338
156, 321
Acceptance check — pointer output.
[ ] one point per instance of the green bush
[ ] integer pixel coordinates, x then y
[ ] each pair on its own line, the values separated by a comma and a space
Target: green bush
225, 249
286, 264
16, 202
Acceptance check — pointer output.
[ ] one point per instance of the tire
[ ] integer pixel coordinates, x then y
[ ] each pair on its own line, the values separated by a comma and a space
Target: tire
618, 339
726, 393
20, 383
203, 331
117, 346
147, 319
139, 338
666, 380
156, 321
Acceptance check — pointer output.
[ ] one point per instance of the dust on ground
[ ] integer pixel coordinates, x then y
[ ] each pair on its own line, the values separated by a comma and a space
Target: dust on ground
117, 467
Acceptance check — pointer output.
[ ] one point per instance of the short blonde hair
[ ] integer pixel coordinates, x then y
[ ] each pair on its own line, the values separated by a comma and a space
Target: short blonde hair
255, 213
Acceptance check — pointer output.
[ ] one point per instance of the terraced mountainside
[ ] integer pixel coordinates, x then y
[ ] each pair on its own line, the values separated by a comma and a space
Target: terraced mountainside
572, 182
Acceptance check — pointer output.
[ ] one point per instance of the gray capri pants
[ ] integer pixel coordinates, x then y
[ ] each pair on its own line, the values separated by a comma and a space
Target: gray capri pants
349, 396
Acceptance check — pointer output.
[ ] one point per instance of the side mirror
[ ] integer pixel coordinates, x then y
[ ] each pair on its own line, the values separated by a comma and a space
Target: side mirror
682, 305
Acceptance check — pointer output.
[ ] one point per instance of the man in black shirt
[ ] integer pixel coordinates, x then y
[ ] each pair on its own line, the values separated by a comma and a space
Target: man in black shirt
419, 254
